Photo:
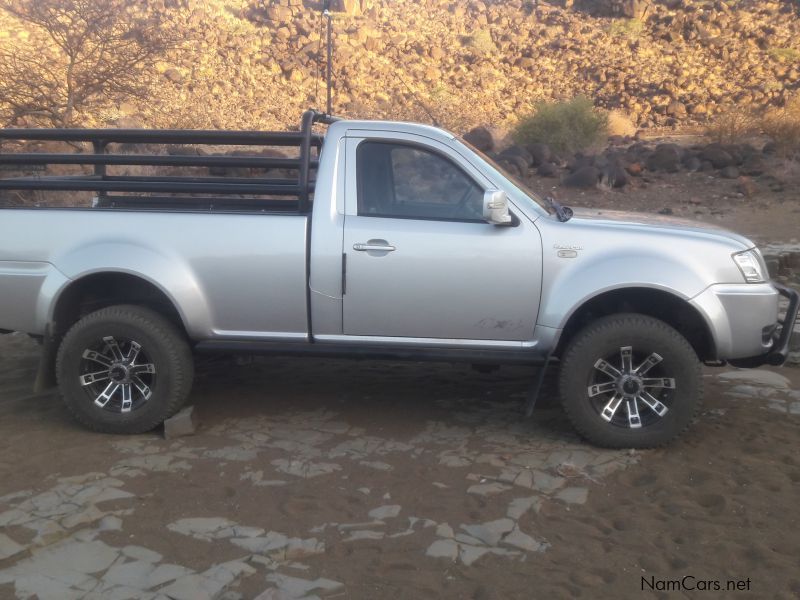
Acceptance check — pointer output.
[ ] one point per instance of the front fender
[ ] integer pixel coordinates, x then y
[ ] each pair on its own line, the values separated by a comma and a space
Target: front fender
573, 284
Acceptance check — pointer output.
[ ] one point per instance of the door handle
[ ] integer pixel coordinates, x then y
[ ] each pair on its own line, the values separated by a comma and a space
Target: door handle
375, 247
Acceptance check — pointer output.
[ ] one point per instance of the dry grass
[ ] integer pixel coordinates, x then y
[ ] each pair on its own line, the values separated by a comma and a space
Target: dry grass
784, 54
626, 28
782, 125
732, 126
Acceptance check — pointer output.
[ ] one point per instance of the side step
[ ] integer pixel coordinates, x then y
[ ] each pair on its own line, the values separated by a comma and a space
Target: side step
376, 352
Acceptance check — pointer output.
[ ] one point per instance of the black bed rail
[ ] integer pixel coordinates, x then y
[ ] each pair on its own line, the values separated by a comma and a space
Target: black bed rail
240, 189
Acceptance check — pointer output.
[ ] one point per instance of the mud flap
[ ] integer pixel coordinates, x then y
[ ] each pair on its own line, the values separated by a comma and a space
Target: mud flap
46, 373
536, 386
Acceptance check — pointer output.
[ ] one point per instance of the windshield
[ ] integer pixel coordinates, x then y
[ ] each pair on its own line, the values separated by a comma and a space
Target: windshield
511, 185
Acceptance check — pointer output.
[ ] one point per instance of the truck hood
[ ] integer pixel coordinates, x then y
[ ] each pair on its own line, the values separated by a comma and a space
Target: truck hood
621, 218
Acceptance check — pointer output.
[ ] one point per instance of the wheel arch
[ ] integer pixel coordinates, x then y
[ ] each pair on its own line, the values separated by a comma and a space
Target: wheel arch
100, 289
674, 310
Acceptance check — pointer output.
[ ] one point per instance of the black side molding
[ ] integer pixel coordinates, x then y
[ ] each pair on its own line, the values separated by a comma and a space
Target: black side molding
373, 352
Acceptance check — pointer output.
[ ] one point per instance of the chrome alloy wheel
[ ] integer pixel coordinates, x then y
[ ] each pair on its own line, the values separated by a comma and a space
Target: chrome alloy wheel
646, 398
117, 374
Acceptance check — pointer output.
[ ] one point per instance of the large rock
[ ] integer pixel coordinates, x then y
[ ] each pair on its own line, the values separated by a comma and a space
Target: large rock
174, 75
614, 174
585, 177
666, 157
517, 151
540, 154
514, 164
717, 156
753, 165
351, 7
547, 170
481, 138
279, 14
676, 109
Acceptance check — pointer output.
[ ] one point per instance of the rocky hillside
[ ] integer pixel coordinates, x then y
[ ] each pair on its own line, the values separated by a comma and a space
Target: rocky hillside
255, 63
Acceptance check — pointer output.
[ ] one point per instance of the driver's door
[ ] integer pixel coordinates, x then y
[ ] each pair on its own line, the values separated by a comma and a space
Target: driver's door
420, 260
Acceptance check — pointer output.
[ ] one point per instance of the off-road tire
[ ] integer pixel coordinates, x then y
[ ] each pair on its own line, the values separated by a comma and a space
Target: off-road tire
166, 348
607, 336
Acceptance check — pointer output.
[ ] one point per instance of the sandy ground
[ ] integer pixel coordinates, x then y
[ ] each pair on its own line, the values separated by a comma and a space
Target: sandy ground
358, 480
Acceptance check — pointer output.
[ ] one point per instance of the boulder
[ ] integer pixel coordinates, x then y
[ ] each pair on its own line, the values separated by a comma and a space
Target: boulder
585, 177
540, 154
666, 157
547, 170
579, 161
350, 7
481, 138
614, 175
692, 163
516, 165
717, 156
676, 109
174, 75
279, 14
518, 151
753, 166
634, 168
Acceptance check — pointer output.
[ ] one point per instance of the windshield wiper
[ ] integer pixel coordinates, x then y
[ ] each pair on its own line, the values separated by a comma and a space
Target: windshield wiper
564, 213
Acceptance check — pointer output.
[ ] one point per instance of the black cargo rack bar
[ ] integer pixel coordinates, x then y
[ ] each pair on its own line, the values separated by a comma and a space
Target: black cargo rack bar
234, 187
253, 162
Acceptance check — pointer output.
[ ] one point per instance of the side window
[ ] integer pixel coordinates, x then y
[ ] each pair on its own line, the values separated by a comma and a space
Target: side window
404, 181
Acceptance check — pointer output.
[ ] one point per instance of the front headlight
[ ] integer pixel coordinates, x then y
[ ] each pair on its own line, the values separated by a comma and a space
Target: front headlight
750, 265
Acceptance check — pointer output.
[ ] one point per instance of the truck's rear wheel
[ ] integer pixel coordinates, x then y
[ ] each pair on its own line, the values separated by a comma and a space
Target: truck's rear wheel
630, 381
124, 369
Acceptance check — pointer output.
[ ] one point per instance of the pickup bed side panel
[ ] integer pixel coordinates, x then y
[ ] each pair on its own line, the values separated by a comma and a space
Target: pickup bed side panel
228, 275
23, 286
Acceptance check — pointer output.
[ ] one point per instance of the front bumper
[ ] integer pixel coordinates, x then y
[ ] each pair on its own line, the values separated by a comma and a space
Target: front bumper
781, 337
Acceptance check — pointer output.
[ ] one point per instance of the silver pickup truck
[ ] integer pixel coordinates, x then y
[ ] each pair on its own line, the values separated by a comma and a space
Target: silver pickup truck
385, 240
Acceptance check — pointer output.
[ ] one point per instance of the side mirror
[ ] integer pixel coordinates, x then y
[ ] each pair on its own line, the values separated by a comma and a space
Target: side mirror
495, 207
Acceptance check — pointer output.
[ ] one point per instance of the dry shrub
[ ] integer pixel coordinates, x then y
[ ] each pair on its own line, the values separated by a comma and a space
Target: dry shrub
564, 126
626, 28
782, 125
620, 124
732, 126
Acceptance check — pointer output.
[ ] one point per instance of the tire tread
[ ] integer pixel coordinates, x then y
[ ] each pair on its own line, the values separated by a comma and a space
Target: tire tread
179, 353
611, 325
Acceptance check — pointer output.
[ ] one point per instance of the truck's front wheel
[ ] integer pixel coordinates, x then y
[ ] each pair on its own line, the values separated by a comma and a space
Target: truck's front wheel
124, 369
630, 381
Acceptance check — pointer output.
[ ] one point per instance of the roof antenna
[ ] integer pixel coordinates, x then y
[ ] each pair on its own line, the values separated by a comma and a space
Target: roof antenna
417, 99
326, 12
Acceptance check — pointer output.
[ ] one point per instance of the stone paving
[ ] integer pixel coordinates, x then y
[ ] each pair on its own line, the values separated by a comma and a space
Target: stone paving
770, 389
62, 540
